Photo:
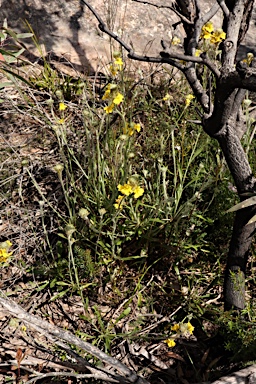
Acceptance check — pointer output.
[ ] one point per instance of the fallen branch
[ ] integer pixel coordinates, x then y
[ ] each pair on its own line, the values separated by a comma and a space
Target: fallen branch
51, 331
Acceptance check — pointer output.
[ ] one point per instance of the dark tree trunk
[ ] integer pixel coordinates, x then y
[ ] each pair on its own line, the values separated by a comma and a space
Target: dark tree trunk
234, 283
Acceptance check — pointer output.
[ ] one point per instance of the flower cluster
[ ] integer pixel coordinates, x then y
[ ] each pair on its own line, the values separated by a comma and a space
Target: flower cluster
181, 329
215, 36
112, 93
127, 189
4, 251
113, 96
188, 100
175, 41
117, 64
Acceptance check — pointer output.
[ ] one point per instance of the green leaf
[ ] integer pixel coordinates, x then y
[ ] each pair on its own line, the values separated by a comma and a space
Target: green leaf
11, 33
123, 314
60, 294
244, 204
24, 35
6, 84
43, 285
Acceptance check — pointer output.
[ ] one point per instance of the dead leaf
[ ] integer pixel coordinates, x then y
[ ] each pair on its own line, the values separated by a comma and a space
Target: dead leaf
175, 356
205, 355
19, 356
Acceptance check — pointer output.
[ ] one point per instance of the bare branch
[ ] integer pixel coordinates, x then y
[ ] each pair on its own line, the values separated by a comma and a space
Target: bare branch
201, 95
231, 42
224, 7
182, 17
203, 59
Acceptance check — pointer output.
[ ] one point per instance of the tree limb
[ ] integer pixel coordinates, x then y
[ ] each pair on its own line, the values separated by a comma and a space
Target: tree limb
49, 330
182, 17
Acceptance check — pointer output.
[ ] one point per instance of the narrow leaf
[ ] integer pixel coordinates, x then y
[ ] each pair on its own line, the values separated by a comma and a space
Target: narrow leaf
244, 204
24, 35
252, 220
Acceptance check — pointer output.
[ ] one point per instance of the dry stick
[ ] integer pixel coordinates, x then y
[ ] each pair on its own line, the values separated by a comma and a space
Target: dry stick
49, 330
182, 17
40, 376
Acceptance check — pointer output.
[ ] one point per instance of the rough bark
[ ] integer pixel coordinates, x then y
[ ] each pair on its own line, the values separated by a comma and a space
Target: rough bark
234, 283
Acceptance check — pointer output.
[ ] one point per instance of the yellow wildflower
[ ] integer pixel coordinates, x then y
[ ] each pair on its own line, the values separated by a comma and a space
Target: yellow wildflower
4, 248
175, 327
106, 94
198, 52
170, 342
218, 36
62, 106
118, 61
137, 127
113, 69
167, 97
125, 189
61, 121
138, 191
188, 100
109, 108
187, 328
249, 58
118, 98
130, 128
175, 40
119, 202
207, 30
190, 328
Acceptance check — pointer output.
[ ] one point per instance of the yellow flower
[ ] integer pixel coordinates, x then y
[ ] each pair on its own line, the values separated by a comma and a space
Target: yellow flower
125, 189
218, 36
188, 99
62, 106
170, 342
6, 244
138, 191
249, 59
175, 327
175, 40
167, 97
207, 30
119, 202
198, 52
106, 94
130, 128
4, 248
187, 328
113, 69
118, 61
137, 127
190, 328
109, 108
118, 98
61, 121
